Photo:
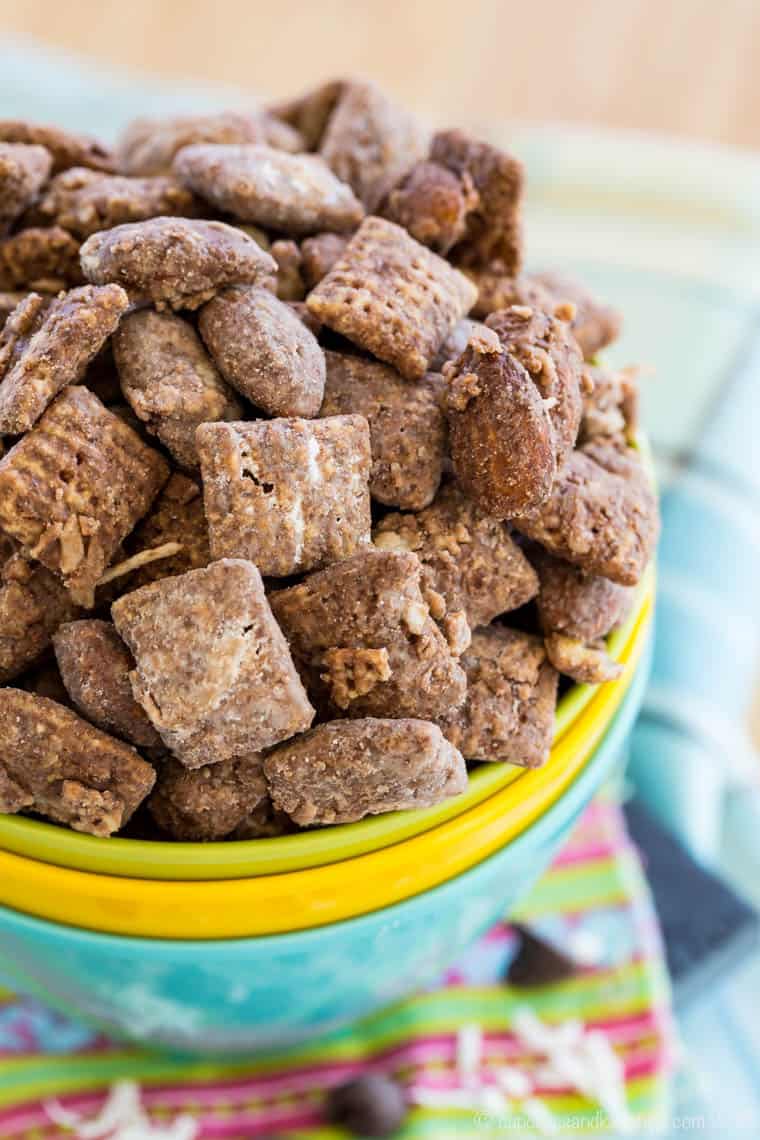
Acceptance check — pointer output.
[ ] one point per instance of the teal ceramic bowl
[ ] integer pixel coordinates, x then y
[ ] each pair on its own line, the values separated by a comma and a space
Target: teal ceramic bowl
252, 994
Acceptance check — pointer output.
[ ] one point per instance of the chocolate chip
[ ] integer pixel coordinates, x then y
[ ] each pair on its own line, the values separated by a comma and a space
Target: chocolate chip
370, 1105
537, 963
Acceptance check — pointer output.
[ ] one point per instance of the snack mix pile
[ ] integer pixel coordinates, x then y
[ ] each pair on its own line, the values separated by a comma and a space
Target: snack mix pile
289, 436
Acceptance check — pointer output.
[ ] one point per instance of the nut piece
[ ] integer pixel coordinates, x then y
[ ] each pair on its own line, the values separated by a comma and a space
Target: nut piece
84, 201
601, 514
74, 487
33, 603
319, 254
370, 142
169, 381
610, 405
511, 699
174, 262
292, 193
406, 424
43, 259
371, 601
290, 495
265, 351
392, 297
495, 179
54, 763
549, 354
24, 170
432, 203
341, 771
148, 145
587, 663
66, 148
594, 324
177, 516
502, 442
207, 803
95, 665
213, 669
468, 558
47, 344
352, 673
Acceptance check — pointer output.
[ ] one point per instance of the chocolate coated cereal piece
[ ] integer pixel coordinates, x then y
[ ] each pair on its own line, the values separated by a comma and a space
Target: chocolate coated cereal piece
264, 822
46, 344
169, 381
370, 142
177, 516
66, 148
432, 203
502, 442
370, 601
341, 771
213, 671
33, 603
74, 487
84, 201
265, 351
175, 262
468, 558
291, 495
207, 803
369, 1105
493, 224
594, 325
46, 260
392, 297
95, 665
54, 763
601, 514
610, 405
406, 424
508, 714
24, 170
292, 193
309, 113
457, 340
148, 146
319, 254
546, 349
8, 302
290, 286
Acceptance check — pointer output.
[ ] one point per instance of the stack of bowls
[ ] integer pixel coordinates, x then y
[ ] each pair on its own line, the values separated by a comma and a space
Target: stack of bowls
249, 945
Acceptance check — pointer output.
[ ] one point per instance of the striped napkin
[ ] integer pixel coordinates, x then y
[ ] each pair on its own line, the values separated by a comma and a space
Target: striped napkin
593, 900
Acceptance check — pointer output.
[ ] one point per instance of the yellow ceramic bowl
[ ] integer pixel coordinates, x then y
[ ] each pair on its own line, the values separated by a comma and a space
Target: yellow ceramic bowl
580, 707
297, 900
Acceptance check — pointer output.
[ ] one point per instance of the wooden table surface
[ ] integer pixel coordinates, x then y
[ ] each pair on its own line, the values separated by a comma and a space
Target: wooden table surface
683, 66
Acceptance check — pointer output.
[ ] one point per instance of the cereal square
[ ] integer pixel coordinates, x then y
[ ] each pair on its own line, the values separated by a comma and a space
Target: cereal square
511, 700
392, 297
290, 495
46, 260
54, 763
213, 671
342, 771
33, 603
362, 635
47, 344
200, 804
406, 424
73, 488
470, 559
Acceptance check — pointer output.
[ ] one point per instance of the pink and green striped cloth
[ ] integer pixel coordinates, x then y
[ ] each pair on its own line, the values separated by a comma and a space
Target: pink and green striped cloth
593, 894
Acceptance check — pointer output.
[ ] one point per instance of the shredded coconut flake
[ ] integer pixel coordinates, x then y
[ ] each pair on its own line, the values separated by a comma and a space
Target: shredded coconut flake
122, 1117
469, 1053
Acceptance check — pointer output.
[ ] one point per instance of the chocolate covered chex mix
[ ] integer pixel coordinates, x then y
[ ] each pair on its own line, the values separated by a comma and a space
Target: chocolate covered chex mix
290, 193
175, 524
370, 602
610, 405
84, 201
33, 603
75, 486
594, 324
262, 348
56, 764
471, 560
344, 770
406, 423
291, 495
95, 665
45, 260
213, 670
319, 254
24, 170
392, 297
176, 263
47, 344
66, 148
508, 713
207, 803
169, 381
